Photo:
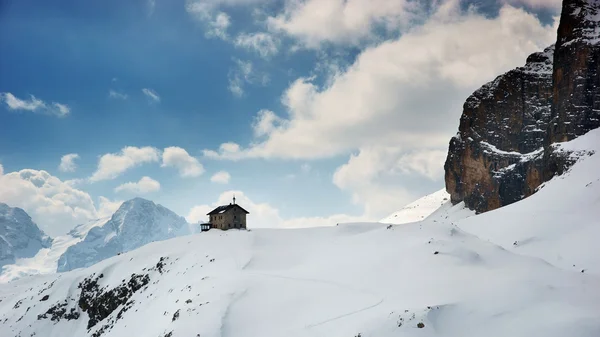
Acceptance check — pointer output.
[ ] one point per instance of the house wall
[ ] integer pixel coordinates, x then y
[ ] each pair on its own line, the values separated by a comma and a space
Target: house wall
233, 218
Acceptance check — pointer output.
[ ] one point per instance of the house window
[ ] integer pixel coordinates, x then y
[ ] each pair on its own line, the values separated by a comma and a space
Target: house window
235, 216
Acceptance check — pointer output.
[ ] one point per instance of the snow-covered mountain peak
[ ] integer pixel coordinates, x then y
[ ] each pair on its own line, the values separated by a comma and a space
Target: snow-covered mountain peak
20, 237
46, 259
139, 216
137, 222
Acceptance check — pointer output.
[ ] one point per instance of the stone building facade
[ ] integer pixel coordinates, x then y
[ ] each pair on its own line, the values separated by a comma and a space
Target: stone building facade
228, 217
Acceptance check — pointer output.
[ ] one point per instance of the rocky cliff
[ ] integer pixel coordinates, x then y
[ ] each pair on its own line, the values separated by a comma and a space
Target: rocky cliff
503, 151
576, 79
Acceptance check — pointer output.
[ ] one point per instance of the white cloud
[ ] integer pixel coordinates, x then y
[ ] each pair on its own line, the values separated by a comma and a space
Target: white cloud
151, 94
112, 165
264, 44
228, 150
236, 86
314, 22
220, 177
1, 169
428, 163
117, 95
397, 105
67, 162
391, 97
305, 168
371, 177
14, 103
60, 109
265, 123
107, 207
75, 182
549, 4
144, 186
264, 215
219, 25
244, 73
215, 22
35, 105
54, 205
179, 158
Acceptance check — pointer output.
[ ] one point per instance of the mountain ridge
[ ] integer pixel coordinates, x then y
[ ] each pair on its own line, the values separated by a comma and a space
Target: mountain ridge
20, 237
137, 222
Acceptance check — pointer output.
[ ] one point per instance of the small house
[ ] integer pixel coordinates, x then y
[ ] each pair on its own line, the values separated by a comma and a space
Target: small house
226, 217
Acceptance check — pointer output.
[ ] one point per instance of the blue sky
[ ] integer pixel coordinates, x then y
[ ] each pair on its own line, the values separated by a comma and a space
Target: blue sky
330, 110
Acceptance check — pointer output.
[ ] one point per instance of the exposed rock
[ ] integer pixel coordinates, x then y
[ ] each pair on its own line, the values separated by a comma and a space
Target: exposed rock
503, 151
576, 101
501, 120
59, 312
99, 302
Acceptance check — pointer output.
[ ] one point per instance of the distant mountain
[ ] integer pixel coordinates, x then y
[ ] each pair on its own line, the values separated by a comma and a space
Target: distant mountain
419, 209
136, 223
46, 259
20, 237
80, 231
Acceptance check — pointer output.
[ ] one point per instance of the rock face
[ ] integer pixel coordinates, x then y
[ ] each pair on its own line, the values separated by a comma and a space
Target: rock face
503, 123
503, 151
20, 237
136, 223
576, 91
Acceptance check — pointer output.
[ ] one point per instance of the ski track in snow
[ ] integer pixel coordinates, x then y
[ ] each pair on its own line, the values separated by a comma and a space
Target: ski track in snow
330, 283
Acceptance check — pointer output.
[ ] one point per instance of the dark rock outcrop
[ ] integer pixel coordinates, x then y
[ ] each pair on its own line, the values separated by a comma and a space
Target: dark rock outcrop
576, 91
503, 151
500, 122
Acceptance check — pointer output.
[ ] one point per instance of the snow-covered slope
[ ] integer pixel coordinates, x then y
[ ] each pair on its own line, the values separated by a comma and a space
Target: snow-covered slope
561, 222
136, 223
46, 259
80, 231
419, 209
20, 237
432, 278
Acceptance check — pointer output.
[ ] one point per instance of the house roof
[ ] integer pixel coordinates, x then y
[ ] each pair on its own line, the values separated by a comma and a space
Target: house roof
225, 208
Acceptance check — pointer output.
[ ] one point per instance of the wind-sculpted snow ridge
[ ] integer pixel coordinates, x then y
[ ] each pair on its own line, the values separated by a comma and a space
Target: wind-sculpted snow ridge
136, 223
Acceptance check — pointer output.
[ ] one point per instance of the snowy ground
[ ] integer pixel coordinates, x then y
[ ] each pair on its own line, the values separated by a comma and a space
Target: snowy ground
419, 209
451, 275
